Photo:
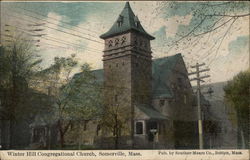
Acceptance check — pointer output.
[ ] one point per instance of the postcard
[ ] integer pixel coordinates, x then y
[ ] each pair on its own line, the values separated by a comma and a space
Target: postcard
124, 80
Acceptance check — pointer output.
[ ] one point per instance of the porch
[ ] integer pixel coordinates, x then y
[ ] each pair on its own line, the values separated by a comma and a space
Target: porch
152, 130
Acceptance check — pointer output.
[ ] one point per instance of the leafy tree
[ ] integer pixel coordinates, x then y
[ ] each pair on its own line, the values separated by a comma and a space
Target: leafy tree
237, 92
18, 64
76, 97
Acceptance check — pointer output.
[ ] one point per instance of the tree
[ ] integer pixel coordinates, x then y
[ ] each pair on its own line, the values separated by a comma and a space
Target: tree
116, 115
76, 97
18, 64
237, 92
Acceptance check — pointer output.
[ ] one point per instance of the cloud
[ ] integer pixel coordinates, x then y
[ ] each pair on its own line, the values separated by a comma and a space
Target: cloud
152, 20
91, 27
91, 19
235, 61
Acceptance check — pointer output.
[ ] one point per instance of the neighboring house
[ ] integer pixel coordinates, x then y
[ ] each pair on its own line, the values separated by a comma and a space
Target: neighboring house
43, 131
221, 119
27, 111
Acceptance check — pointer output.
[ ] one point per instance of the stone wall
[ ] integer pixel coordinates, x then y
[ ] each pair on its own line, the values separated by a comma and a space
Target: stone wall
127, 73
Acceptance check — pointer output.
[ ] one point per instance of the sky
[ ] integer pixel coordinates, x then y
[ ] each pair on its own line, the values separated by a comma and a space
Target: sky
75, 27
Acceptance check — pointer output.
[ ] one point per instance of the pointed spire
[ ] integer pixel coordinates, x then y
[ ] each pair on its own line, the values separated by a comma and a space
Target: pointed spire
125, 22
127, 5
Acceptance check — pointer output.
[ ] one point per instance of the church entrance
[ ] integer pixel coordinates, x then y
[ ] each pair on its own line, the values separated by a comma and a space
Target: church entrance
146, 133
152, 130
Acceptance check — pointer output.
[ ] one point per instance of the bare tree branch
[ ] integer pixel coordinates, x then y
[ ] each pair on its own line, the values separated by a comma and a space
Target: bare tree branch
192, 30
222, 41
215, 27
226, 15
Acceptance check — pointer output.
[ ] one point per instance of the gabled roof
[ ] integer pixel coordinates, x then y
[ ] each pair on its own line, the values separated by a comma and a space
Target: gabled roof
128, 22
161, 70
151, 112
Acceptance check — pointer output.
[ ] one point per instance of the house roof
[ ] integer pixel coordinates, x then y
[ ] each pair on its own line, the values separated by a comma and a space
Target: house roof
128, 22
99, 75
151, 112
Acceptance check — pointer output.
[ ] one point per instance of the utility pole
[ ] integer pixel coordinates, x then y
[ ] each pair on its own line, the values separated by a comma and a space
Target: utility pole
198, 93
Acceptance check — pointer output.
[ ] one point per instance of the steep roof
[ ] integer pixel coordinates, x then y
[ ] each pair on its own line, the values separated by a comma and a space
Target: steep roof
128, 21
161, 70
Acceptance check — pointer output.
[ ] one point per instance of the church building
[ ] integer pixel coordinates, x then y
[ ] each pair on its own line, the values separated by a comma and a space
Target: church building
156, 95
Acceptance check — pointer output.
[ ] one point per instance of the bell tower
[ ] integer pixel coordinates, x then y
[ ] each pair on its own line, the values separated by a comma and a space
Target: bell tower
127, 63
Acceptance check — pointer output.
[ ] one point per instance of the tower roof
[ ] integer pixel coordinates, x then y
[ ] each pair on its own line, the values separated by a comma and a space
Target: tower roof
126, 21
